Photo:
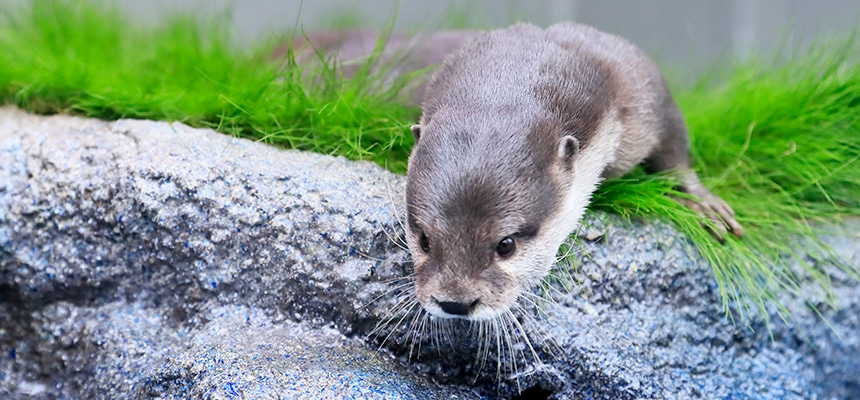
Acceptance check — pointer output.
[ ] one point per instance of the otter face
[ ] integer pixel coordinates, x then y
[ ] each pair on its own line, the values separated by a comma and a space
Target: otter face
482, 216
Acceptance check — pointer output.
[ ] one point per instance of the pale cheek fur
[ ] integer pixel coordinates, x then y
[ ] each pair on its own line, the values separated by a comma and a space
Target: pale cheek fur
588, 168
530, 262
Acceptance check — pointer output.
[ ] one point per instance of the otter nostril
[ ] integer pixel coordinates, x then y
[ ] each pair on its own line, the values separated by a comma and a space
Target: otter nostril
456, 308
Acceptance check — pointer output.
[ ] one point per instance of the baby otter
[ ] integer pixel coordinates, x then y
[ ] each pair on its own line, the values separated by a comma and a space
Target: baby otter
519, 126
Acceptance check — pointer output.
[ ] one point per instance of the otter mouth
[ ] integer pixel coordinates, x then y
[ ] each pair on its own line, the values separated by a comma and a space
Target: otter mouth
470, 310
447, 293
456, 308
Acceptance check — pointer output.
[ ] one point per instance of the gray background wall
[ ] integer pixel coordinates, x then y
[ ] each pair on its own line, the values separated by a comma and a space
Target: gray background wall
681, 34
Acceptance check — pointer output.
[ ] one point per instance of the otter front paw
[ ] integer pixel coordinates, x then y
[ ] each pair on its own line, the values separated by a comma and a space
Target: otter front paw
716, 209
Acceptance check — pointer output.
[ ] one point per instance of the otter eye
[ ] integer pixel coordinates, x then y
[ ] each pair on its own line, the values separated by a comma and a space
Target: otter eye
424, 243
506, 247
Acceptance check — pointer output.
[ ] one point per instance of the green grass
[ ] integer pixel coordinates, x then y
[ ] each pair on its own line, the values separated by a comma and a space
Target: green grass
781, 144
779, 141
86, 57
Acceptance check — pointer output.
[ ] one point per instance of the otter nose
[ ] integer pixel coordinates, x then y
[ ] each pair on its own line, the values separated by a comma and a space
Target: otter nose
456, 307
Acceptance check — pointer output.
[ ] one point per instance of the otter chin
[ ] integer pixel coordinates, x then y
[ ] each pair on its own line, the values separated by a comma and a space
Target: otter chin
518, 128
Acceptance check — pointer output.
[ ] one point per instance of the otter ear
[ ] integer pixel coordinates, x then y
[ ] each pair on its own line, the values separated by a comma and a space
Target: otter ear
416, 131
568, 148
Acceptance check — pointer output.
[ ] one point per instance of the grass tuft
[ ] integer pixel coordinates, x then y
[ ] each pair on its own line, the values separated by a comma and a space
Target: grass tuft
779, 141
781, 144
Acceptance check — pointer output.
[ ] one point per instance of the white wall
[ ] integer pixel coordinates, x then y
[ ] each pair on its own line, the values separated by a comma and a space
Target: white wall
682, 34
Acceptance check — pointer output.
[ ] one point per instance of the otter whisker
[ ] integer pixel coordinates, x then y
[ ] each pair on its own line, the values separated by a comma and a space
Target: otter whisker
524, 334
408, 310
401, 301
406, 278
434, 334
484, 340
447, 334
512, 351
568, 253
397, 288
498, 336
405, 306
396, 217
391, 202
399, 283
427, 328
513, 329
511, 356
443, 331
562, 274
408, 301
417, 334
568, 246
394, 240
551, 283
537, 303
382, 325
369, 257
483, 344
541, 305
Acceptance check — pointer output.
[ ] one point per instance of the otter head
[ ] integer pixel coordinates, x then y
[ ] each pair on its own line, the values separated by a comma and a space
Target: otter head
484, 208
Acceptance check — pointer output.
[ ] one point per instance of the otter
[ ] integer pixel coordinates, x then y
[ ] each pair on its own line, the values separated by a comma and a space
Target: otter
518, 128
351, 49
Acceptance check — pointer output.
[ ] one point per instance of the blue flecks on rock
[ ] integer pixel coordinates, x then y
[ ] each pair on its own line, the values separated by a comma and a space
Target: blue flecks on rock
12, 354
231, 390
214, 284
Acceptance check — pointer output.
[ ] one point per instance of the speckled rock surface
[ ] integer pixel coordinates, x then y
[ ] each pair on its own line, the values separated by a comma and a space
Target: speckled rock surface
151, 260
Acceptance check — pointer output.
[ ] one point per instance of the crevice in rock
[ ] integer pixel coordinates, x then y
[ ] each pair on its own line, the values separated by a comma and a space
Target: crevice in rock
534, 393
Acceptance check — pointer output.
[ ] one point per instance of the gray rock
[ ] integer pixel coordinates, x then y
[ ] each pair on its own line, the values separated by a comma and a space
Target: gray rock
151, 260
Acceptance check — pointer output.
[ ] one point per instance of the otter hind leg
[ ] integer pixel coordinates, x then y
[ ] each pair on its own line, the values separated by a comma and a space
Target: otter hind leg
673, 154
